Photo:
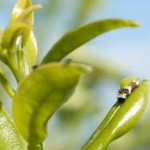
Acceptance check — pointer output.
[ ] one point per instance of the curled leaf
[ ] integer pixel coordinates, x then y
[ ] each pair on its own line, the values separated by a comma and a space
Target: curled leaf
19, 9
76, 38
24, 11
12, 32
121, 117
10, 139
40, 95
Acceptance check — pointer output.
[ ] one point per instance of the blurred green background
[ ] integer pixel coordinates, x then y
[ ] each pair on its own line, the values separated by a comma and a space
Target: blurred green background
115, 55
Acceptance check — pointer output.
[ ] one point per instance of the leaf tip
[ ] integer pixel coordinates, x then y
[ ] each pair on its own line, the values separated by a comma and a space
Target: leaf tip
38, 6
85, 67
134, 23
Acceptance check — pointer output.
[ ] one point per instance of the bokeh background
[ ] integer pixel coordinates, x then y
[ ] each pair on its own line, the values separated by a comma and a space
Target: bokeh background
114, 55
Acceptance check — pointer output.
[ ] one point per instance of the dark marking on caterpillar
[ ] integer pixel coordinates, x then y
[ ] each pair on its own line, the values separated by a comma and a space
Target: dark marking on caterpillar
123, 93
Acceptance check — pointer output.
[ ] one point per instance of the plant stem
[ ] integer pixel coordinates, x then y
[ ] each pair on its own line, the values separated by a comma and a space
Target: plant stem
101, 137
14, 67
6, 84
32, 146
41, 145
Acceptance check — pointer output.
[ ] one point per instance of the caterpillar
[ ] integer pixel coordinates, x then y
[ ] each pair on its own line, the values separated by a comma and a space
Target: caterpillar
123, 93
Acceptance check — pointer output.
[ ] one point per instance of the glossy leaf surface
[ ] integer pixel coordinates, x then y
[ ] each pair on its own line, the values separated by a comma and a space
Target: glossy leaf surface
40, 95
10, 139
76, 38
121, 118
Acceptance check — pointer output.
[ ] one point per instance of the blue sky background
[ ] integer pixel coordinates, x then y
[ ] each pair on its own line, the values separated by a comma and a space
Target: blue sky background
123, 43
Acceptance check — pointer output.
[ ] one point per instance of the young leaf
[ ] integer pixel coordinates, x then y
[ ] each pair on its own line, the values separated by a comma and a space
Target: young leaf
121, 117
10, 139
40, 95
24, 11
18, 10
12, 32
76, 38
30, 51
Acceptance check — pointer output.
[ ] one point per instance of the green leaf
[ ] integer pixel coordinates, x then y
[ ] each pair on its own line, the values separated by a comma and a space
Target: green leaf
24, 11
10, 139
19, 9
121, 117
40, 95
76, 38
12, 32
30, 51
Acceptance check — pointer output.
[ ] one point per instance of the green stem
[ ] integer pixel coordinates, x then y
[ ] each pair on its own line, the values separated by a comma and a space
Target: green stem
9, 60
8, 88
33, 146
14, 68
100, 143
41, 146
99, 140
22, 64
6, 84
